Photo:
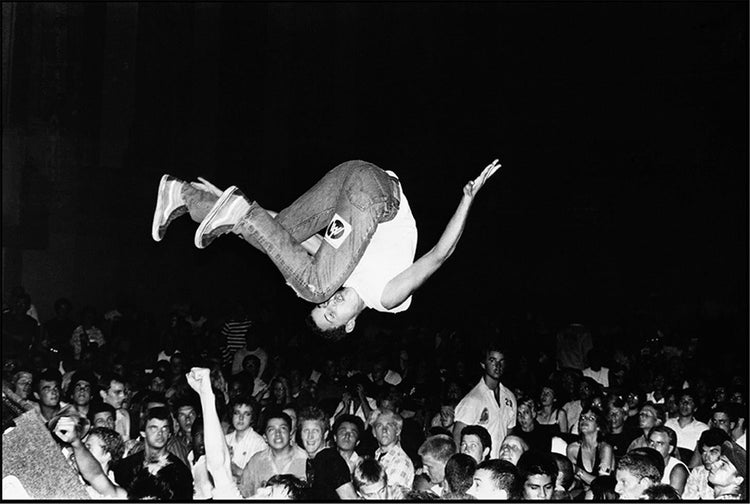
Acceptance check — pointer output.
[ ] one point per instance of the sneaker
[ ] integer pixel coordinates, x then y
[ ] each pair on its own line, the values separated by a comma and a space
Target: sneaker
169, 205
231, 207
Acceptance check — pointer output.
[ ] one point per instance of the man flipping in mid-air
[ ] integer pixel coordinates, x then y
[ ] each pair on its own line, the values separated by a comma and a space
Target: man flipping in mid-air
365, 258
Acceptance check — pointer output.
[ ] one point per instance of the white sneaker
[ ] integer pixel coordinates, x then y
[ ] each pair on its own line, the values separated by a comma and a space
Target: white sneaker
169, 205
230, 208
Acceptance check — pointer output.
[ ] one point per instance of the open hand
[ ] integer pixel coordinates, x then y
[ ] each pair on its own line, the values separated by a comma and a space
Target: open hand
205, 185
473, 186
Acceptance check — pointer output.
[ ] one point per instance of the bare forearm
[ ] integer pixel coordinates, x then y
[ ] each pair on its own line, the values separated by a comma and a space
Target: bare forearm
92, 472
453, 230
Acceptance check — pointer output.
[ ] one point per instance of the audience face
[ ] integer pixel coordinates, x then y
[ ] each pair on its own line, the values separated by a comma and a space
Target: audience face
157, 384
277, 434
511, 449
547, 397
186, 415
313, 434
374, 491
647, 417
435, 469
588, 423
494, 365
157, 433
616, 418
104, 419
709, 455
386, 431
81, 393
538, 487
686, 406
49, 393
483, 487
346, 437
723, 473
526, 416
114, 395
659, 441
22, 384
628, 485
720, 420
242, 415
279, 392
472, 445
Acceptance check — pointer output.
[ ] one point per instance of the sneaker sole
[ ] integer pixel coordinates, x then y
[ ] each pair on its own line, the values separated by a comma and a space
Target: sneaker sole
218, 206
155, 224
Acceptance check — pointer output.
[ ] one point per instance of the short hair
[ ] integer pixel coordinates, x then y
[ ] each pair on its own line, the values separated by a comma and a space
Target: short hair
641, 465
186, 399
313, 413
661, 491
335, 334
297, 488
671, 434
661, 413
100, 407
494, 346
367, 472
534, 462
459, 471
729, 409
441, 447
712, 437
276, 413
113, 443
51, 375
603, 488
352, 419
528, 401
245, 400
686, 392
565, 470
251, 357
158, 413
503, 473
480, 432
105, 382
81, 375
390, 413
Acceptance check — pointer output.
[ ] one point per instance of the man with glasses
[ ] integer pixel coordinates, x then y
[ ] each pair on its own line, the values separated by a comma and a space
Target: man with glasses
686, 426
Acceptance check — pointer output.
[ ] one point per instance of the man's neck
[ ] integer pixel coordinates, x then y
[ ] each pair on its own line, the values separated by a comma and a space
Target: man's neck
387, 448
48, 411
347, 454
282, 452
152, 453
720, 491
491, 382
83, 409
617, 430
683, 421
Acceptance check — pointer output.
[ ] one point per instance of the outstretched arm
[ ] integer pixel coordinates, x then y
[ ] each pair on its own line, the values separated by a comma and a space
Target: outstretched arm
405, 283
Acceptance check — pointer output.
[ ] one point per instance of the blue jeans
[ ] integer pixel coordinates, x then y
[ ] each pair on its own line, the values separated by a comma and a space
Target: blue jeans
360, 193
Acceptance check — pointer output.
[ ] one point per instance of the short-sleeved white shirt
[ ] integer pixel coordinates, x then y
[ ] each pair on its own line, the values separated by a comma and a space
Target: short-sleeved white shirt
479, 407
687, 437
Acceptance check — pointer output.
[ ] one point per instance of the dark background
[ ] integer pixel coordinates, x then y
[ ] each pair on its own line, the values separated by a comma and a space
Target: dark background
622, 129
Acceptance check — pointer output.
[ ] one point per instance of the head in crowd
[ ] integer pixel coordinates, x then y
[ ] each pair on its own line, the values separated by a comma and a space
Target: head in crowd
709, 445
651, 415
387, 428
512, 448
106, 446
635, 473
728, 475
617, 413
244, 409
198, 440
22, 382
493, 361
476, 441
277, 430
494, 479
370, 481
664, 440
548, 395
157, 427
662, 491
653, 455
102, 414
158, 382
186, 412
565, 473
238, 385
686, 402
537, 474
112, 389
591, 421
251, 365
724, 417
603, 488
526, 413
459, 473
280, 393
47, 391
336, 317
81, 388
283, 487
347, 430
313, 429
588, 388
435, 452
293, 417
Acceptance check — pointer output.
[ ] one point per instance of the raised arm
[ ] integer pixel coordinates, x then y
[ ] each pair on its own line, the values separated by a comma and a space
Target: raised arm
405, 283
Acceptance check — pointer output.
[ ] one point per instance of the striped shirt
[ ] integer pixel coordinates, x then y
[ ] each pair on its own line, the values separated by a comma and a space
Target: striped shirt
233, 338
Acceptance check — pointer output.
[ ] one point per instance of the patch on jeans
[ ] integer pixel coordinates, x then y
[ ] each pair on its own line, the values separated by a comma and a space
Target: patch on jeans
337, 231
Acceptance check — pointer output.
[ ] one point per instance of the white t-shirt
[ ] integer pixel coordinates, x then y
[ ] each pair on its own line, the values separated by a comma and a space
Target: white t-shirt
479, 407
687, 437
601, 376
248, 446
390, 251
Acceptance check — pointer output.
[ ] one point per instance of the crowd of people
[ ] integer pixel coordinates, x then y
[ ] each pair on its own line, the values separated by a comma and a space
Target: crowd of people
237, 406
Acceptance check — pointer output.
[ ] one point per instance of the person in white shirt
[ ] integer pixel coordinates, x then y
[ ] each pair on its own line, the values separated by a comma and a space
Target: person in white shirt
595, 369
243, 442
365, 258
687, 428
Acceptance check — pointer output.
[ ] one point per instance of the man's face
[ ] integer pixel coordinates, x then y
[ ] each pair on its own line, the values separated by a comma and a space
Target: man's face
23, 384
337, 311
538, 487
346, 436
104, 419
494, 364
659, 441
96, 446
628, 486
472, 445
374, 491
49, 393
157, 384
616, 418
525, 415
435, 469
115, 395
511, 449
81, 393
277, 433
687, 406
721, 420
313, 434
157, 433
483, 487
647, 417
199, 444
584, 390
723, 473
709, 455
186, 415
242, 416
386, 431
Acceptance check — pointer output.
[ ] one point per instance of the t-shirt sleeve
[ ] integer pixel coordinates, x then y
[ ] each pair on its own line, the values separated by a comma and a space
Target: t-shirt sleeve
465, 412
